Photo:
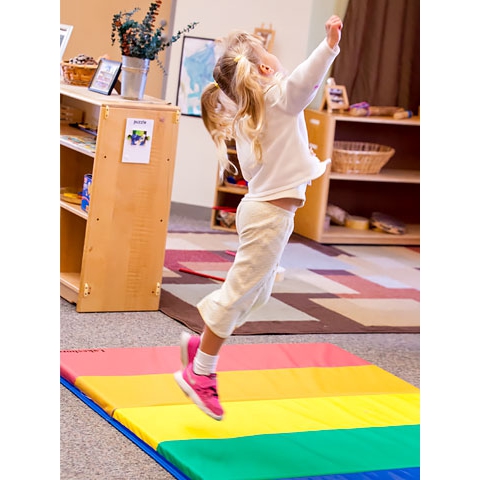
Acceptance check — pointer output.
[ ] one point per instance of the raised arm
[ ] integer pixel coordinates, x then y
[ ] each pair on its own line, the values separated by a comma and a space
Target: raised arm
333, 28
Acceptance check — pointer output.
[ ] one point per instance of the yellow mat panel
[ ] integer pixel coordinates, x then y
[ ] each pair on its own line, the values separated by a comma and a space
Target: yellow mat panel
184, 422
111, 392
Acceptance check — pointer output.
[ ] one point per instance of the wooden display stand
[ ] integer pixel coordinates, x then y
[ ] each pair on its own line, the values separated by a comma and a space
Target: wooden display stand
111, 258
335, 98
395, 190
267, 35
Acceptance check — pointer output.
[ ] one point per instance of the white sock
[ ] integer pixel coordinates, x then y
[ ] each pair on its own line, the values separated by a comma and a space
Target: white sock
204, 364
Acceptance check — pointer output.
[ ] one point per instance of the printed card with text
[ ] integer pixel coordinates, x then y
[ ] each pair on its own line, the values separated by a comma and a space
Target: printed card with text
138, 140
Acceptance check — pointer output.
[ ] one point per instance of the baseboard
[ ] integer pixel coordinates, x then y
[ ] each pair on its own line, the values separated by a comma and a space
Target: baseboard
192, 211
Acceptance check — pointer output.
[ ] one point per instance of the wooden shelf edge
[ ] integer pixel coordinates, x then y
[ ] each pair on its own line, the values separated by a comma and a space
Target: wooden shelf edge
223, 229
386, 175
69, 286
414, 121
74, 208
342, 235
232, 189
84, 94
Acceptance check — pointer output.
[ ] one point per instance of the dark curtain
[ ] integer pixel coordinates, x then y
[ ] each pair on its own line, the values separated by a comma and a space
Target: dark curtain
379, 61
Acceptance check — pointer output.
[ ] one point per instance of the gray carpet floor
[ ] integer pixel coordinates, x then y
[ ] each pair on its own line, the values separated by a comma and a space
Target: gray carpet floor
90, 448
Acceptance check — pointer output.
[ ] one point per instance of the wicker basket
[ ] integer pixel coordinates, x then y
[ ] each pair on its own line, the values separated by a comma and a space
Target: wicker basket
360, 157
78, 74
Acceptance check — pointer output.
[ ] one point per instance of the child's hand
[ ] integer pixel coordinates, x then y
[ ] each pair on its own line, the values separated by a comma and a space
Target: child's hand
333, 27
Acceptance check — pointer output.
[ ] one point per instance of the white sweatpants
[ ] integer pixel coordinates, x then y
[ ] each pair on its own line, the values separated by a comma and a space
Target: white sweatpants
264, 230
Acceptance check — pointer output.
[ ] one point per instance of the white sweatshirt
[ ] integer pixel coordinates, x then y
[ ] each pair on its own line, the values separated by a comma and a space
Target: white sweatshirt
287, 164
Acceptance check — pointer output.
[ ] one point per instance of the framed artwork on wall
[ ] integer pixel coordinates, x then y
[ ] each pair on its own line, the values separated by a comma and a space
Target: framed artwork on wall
65, 32
198, 59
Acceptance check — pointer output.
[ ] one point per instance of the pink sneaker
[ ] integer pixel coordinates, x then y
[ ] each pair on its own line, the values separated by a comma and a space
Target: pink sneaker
201, 389
188, 347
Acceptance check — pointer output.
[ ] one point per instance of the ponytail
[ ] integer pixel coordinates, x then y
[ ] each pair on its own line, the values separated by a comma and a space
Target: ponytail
234, 105
249, 91
217, 115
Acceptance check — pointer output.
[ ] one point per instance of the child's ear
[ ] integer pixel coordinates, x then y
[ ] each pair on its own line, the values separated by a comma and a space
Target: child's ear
266, 69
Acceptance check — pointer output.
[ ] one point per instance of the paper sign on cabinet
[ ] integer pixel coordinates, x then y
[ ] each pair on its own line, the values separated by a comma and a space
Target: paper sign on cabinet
138, 140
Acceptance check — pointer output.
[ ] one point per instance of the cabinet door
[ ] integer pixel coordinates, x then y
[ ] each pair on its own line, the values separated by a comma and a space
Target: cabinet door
128, 215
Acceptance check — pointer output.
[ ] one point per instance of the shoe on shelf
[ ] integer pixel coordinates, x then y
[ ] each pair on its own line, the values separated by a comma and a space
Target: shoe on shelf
188, 347
202, 390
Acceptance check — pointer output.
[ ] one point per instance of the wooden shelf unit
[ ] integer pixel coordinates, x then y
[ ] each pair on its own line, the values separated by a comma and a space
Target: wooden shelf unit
227, 195
111, 258
394, 191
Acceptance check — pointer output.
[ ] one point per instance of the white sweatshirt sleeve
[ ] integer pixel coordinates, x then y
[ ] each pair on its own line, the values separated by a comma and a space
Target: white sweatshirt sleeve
303, 83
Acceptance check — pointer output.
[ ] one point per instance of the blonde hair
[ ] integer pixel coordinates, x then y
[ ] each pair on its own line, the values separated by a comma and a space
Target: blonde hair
234, 105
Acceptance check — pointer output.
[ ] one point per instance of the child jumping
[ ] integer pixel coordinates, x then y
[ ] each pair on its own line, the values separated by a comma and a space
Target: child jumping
254, 102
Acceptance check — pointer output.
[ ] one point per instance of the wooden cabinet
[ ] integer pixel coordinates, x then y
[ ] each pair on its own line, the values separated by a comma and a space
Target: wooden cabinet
111, 258
394, 191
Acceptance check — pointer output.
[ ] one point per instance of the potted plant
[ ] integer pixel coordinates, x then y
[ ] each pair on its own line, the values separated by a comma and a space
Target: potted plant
141, 42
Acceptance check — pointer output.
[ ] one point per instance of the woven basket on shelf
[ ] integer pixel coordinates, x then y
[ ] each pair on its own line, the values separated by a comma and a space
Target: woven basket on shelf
78, 74
360, 157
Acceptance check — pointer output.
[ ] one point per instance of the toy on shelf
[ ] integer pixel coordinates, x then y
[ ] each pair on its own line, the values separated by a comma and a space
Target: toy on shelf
357, 222
240, 182
364, 109
87, 185
225, 216
86, 127
71, 195
334, 97
378, 221
382, 222
337, 215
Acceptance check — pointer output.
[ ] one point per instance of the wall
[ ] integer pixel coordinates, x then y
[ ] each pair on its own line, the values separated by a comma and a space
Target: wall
322, 9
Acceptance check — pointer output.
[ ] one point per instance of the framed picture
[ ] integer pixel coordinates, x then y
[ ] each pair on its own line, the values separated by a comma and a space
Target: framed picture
65, 32
267, 35
198, 59
105, 77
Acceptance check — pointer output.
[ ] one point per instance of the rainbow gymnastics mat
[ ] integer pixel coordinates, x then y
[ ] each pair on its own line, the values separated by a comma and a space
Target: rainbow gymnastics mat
292, 411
